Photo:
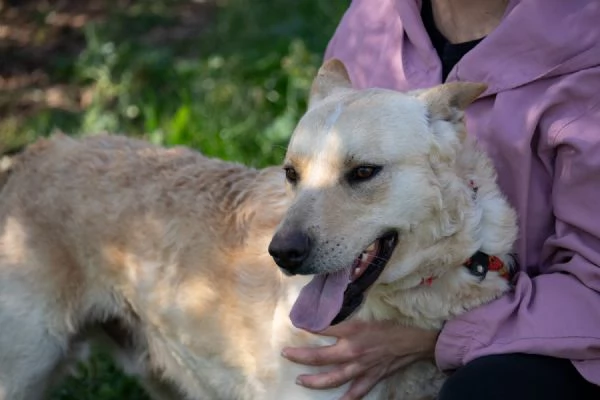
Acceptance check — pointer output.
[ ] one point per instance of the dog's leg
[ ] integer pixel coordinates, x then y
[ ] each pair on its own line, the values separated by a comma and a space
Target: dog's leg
28, 357
31, 345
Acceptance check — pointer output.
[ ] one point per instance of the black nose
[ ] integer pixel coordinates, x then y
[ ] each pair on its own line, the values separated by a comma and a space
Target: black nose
289, 248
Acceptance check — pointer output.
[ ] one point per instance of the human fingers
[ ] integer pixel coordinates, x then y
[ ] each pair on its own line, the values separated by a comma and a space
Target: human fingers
334, 378
337, 353
345, 328
362, 386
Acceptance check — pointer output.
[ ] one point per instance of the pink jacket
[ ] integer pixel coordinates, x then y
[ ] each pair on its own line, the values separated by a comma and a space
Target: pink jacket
540, 123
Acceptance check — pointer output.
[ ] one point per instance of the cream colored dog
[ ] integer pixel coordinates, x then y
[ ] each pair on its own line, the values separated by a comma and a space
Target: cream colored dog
162, 253
395, 211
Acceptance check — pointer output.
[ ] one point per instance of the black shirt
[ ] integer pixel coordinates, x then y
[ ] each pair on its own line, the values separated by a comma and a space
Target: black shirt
449, 53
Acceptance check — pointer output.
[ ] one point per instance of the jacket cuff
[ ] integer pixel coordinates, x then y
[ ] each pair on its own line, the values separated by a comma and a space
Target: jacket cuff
453, 344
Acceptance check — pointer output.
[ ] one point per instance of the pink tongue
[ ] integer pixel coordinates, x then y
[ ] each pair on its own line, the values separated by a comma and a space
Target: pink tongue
320, 301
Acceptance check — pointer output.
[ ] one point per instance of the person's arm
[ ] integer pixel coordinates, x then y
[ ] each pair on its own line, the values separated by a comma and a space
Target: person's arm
556, 313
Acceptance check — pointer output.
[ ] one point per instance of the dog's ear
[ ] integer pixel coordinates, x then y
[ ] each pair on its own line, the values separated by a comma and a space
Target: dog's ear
448, 101
331, 76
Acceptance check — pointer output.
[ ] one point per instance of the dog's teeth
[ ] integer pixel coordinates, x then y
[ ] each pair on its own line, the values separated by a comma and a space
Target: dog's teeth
356, 271
371, 247
364, 257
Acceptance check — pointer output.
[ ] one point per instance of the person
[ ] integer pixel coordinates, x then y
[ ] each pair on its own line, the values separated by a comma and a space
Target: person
539, 121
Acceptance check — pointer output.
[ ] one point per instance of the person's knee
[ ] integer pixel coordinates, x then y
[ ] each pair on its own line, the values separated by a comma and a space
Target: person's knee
473, 380
514, 376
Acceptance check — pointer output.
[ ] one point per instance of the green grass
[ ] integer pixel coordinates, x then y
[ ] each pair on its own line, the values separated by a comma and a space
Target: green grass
99, 379
234, 89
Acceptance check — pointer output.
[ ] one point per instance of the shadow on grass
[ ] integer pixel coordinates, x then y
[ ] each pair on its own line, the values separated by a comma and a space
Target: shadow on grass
99, 379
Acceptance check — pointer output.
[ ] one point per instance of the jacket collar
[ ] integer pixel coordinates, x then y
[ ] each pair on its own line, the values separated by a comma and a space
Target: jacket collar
544, 38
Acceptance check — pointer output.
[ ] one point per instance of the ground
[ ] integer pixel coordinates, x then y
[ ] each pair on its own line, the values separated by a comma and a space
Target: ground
227, 77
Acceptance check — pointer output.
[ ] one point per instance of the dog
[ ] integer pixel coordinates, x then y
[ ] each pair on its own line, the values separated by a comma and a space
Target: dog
162, 254
395, 213
159, 255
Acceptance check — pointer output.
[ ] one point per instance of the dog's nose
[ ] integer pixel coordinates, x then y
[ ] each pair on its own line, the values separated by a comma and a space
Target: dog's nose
289, 248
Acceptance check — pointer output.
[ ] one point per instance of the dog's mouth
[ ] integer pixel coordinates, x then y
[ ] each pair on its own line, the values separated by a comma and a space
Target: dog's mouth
331, 298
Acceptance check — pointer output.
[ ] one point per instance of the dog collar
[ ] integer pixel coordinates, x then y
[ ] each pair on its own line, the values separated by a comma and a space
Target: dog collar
478, 265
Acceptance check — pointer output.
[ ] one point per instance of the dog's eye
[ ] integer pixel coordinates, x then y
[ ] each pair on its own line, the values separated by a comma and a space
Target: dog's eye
363, 173
291, 175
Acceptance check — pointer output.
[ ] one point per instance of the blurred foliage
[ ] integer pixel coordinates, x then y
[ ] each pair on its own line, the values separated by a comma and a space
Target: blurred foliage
234, 90
99, 379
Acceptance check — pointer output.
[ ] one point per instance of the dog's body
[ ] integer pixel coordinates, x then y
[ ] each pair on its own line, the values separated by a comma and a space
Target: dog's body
164, 253
114, 235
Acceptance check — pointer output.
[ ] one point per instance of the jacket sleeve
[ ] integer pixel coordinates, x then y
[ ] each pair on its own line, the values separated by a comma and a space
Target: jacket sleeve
556, 313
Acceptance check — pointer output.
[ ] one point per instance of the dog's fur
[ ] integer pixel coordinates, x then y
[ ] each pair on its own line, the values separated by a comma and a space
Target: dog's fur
162, 253
424, 192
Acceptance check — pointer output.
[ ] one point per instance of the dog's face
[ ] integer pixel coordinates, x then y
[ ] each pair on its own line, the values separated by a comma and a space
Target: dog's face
363, 167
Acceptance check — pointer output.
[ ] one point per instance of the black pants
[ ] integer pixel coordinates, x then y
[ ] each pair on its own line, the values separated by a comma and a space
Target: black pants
518, 377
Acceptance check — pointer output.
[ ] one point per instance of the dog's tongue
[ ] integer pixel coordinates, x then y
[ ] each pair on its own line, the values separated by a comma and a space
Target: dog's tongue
320, 301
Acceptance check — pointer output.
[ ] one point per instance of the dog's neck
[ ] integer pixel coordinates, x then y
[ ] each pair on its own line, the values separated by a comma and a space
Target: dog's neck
474, 218
488, 221
480, 263
493, 223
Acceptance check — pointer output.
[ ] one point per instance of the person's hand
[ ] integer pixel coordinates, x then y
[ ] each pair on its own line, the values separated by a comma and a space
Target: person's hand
365, 353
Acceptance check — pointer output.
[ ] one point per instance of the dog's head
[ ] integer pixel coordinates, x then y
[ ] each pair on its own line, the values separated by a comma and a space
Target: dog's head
364, 168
